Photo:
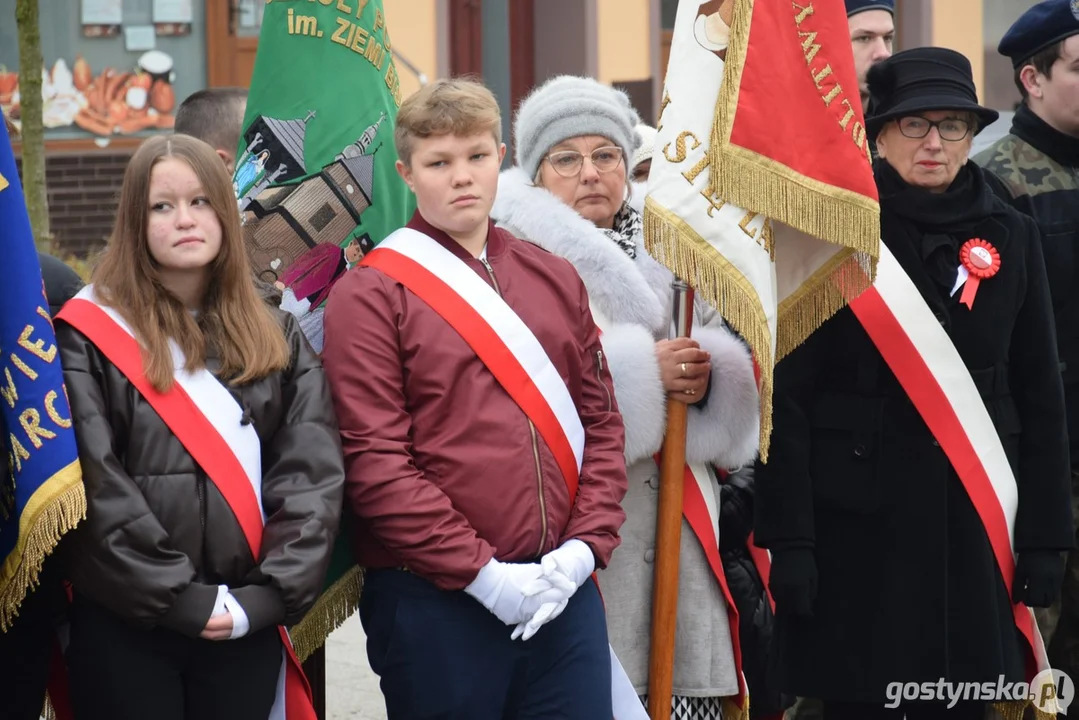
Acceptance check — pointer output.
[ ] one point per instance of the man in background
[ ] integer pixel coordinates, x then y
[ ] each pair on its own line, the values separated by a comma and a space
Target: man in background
215, 116
872, 32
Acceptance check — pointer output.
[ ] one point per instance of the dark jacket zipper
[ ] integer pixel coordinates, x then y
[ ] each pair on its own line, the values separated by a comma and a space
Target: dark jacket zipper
535, 440
200, 489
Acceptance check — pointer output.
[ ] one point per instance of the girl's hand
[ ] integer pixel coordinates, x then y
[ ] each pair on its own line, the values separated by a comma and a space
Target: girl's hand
218, 628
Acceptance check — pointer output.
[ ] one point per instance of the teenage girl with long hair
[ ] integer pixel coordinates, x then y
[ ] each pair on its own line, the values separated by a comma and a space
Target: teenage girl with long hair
210, 454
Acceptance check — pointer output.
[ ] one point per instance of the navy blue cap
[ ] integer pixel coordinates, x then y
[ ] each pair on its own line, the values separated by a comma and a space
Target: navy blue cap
856, 6
1046, 23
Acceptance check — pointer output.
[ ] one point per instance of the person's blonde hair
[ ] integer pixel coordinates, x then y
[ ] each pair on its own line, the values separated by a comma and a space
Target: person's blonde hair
459, 106
234, 320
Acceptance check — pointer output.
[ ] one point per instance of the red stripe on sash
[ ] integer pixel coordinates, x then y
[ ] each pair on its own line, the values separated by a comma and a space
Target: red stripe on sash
205, 445
929, 398
487, 345
695, 510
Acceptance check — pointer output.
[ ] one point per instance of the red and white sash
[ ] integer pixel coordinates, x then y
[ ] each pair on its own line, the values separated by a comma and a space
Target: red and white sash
700, 508
206, 419
921, 355
509, 349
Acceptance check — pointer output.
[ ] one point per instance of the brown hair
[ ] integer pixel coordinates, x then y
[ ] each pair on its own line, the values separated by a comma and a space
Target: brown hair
460, 106
1043, 62
233, 320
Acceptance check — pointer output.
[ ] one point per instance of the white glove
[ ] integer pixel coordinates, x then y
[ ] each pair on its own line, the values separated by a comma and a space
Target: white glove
574, 560
570, 564
515, 592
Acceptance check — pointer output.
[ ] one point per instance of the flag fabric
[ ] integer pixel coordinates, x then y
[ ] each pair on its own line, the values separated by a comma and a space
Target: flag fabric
317, 188
315, 176
761, 193
42, 496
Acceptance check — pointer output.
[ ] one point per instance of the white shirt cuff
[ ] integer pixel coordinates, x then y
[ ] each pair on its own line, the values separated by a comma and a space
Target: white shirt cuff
219, 603
240, 624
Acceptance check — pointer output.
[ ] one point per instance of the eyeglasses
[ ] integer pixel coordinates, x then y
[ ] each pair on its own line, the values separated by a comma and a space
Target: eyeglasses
568, 163
950, 129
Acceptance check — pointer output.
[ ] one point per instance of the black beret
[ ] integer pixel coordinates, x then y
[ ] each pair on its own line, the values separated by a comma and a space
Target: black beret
857, 6
1039, 27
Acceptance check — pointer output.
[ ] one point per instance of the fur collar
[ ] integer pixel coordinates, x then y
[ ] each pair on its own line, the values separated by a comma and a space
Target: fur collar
624, 290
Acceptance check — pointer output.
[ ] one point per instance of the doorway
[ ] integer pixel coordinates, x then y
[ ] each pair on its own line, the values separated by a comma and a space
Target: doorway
232, 39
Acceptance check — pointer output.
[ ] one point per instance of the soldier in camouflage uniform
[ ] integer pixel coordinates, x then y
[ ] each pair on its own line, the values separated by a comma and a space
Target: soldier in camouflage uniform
1037, 166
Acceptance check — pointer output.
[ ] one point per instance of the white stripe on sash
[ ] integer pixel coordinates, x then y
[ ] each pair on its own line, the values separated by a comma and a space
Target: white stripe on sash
517, 337
943, 360
709, 486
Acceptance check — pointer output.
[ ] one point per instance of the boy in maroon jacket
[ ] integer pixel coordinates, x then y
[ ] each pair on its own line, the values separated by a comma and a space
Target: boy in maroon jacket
480, 518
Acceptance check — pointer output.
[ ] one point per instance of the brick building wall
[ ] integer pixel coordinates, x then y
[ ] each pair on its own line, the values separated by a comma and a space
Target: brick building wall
84, 189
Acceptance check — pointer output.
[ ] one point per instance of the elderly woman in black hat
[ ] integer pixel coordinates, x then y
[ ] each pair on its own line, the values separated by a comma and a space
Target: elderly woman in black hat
882, 571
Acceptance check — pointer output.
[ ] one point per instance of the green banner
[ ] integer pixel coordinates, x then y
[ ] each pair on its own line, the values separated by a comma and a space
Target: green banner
315, 175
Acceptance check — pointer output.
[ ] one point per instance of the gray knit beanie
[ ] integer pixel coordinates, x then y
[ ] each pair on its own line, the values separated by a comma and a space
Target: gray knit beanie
567, 106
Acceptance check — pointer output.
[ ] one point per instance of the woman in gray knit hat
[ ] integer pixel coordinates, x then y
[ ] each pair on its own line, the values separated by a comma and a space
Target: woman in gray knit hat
569, 194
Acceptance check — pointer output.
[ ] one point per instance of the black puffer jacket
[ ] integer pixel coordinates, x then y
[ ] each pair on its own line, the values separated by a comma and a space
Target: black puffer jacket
748, 592
159, 537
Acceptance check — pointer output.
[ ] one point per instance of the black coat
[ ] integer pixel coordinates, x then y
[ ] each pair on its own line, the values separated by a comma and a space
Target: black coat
755, 618
908, 586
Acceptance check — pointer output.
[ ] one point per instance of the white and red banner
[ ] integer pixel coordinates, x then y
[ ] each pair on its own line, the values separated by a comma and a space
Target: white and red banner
761, 195
206, 419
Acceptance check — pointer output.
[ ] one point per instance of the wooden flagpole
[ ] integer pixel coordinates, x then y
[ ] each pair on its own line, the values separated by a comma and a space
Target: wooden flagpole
669, 531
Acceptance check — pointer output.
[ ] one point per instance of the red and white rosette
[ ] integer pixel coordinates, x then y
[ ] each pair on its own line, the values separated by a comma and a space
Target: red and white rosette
982, 261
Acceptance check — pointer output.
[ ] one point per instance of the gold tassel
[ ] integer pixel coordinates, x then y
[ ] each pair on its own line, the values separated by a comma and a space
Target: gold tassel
54, 509
330, 611
675, 244
731, 711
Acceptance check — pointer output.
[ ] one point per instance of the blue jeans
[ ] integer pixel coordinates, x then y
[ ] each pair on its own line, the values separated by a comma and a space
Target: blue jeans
442, 655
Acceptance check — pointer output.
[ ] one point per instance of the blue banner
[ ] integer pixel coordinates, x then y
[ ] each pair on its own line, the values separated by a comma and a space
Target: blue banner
41, 496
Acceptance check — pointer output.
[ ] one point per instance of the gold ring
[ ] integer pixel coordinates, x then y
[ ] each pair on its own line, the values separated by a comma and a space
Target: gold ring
683, 368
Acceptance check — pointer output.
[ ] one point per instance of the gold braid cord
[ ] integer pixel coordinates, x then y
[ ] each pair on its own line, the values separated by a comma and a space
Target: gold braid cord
675, 244
762, 185
1019, 710
331, 609
731, 711
54, 509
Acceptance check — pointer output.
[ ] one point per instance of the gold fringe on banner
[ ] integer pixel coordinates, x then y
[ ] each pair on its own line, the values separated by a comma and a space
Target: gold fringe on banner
675, 244
1020, 710
837, 282
55, 508
329, 612
762, 185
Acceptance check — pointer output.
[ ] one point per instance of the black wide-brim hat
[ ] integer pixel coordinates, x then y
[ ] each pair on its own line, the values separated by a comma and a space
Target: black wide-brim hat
920, 80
